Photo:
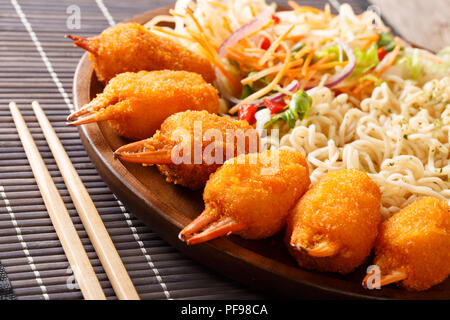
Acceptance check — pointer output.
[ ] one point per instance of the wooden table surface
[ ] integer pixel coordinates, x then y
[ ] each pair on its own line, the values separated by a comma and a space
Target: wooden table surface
423, 22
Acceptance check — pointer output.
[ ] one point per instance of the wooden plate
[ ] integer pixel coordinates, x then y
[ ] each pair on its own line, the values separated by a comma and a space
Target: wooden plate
166, 208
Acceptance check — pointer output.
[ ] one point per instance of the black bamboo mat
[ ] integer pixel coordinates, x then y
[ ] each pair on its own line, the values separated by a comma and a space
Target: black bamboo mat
37, 63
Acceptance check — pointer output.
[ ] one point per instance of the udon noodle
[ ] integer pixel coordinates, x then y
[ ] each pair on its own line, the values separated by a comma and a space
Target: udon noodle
399, 136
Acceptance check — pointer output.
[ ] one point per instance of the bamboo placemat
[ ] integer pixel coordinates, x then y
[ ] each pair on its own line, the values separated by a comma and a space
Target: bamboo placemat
37, 63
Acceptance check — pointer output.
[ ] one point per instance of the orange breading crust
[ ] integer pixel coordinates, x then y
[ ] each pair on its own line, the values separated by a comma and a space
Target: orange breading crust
130, 47
342, 211
137, 103
259, 199
416, 240
193, 175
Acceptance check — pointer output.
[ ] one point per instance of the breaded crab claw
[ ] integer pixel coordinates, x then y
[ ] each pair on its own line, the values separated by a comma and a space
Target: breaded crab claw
334, 226
191, 145
250, 196
135, 104
413, 247
130, 47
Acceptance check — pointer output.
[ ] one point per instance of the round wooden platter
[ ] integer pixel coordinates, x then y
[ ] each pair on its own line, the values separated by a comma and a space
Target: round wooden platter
166, 208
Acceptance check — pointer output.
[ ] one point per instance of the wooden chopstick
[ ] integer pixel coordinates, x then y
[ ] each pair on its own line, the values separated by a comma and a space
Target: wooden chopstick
67, 234
103, 245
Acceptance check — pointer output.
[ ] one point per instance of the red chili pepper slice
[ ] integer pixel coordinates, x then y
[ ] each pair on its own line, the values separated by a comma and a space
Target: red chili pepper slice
265, 44
276, 19
247, 112
381, 53
274, 107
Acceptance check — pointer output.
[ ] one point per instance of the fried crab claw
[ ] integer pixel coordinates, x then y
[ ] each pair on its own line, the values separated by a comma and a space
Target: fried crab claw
139, 152
136, 104
209, 225
412, 248
84, 43
97, 110
384, 280
334, 225
131, 47
241, 200
173, 148
322, 249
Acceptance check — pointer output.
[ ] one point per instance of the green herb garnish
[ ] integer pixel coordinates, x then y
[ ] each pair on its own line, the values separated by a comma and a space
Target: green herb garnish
387, 41
297, 109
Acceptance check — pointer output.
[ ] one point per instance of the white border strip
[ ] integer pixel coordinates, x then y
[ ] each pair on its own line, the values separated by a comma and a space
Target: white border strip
23, 244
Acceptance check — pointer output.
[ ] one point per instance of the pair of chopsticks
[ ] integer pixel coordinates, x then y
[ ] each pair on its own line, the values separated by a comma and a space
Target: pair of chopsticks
67, 234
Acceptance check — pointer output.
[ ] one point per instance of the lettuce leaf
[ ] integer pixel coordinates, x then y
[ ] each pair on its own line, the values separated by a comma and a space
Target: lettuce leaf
412, 64
387, 41
365, 60
323, 52
298, 109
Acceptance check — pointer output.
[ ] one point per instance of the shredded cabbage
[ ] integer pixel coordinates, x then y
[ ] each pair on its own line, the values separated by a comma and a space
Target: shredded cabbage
412, 64
365, 60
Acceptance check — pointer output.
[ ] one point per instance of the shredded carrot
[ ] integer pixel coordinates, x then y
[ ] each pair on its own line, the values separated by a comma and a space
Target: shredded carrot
307, 62
305, 81
255, 50
171, 33
201, 30
369, 42
309, 9
252, 10
268, 71
359, 88
287, 80
215, 60
367, 37
271, 85
218, 4
302, 52
211, 32
294, 5
264, 27
218, 63
329, 65
295, 37
294, 71
242, 61
325, 59
275, 45
394, 55
226, 24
